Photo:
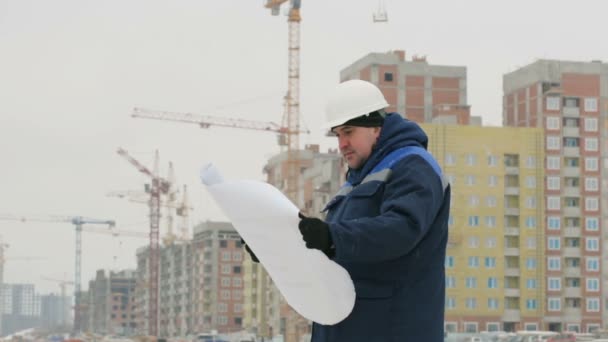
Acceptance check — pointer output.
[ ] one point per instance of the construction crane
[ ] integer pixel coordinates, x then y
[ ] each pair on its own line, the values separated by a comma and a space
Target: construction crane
380, 16
78, 222
62, 286
182, 209
292, 114
158, 186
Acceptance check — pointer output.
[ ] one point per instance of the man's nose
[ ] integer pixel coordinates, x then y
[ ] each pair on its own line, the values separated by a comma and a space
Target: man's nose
342, 143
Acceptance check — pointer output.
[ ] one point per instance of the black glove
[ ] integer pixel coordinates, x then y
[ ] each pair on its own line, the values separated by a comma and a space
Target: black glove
254, 258
316, 234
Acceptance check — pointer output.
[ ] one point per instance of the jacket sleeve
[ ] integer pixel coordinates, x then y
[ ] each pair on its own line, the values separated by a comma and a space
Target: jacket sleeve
412, 198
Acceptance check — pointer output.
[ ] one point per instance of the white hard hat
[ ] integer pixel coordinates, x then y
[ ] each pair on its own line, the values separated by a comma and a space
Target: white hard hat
351, 99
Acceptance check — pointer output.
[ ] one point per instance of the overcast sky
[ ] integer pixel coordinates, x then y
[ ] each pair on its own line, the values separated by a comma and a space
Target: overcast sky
72, 70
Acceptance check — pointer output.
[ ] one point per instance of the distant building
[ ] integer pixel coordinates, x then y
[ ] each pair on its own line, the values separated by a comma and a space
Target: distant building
55, 311
416, 89
110, 303
20, 307
569, 102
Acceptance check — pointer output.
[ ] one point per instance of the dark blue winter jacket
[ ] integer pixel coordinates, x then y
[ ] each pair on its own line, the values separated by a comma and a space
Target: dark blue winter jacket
389, 225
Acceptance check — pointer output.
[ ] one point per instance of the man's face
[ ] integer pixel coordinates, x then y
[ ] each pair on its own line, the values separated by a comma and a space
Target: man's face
356, 143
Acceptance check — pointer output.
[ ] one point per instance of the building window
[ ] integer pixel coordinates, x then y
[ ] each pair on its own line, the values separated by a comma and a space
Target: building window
471, 159
553, 243
571, 162
225, 269
492, 161
554, 284
593, 264
591, 104
531, 202
552, 122
530, 222
553, 203
473, 261
491, 242
573, 328
473, 200
223, 243
591, 164
495, 326
493, 303
237, 282
591, 204
531, 182
531, 304
530, 283
593, 304
553, 143
592, 328
236, 269
470, 327
492, 181
531, 162
473, 221
237, 256
491, 201
590, 144
554, 263
470, 180
226, 256
225, 281
571, 102
450, 303
592, 224
591, 184
490, 221
450, 159
450, 282
492, 283
571, 142
593, 285
531, 327
388, 77
592, 244
449, 261
531, 243
471, 303
471, 282
225, 294
590, 125
490, 262
531, 263
473, 242
552, 103
553, 163
222, 307
555, 304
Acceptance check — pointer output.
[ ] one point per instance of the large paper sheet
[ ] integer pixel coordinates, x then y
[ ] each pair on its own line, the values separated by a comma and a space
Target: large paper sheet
313, 285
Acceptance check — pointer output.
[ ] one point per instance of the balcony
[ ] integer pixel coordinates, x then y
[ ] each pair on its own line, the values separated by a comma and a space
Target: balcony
571, 171
572, 191
511, 251
511, 315
572, 252
512, 211
572, 211
511, 292
572, 232
512, 272
573, 112
511, 231
511, 170
572, 292
572, 314
572, 272
512, 190
573, 132
571, 152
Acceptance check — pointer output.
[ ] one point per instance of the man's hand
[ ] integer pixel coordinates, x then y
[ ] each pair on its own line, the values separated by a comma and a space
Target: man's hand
316, 234
254, 258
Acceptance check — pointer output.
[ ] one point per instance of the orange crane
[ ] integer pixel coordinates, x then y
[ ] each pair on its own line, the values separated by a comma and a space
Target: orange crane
292, 115
158, 186
78, 222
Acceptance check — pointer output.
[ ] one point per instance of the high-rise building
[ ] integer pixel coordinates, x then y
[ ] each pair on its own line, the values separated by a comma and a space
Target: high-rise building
110, 303
176, 288
569, 101
494, 261
55, 311
220, 293
21, 307
416, 89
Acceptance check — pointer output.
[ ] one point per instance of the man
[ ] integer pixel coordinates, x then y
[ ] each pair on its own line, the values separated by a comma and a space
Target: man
387, 226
